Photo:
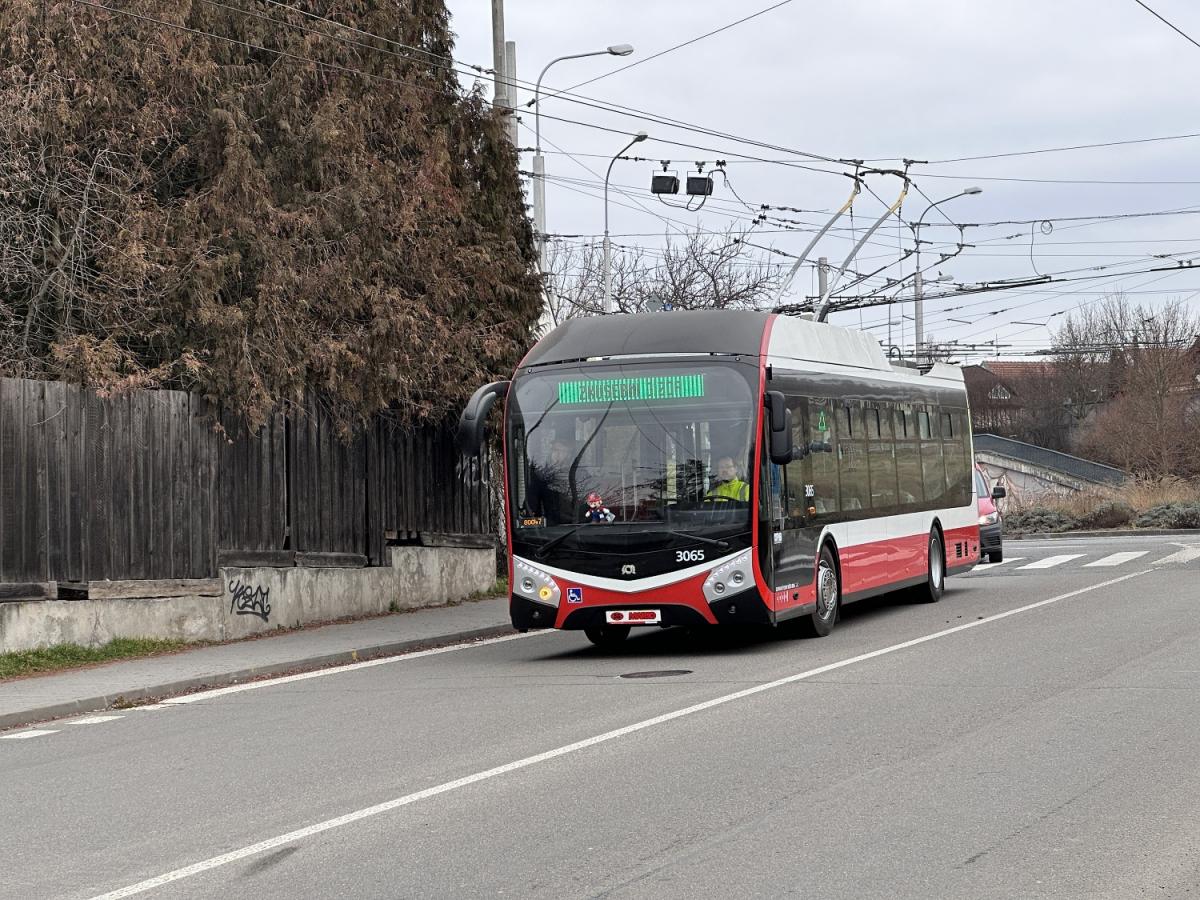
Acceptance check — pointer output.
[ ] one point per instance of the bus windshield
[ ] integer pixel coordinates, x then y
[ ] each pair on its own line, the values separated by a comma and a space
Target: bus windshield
660, 447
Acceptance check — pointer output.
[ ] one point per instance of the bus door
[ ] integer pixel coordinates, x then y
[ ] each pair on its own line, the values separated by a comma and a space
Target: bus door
802, 509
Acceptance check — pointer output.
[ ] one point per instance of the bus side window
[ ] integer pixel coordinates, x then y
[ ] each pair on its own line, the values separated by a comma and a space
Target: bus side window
882, 457
823, 475
958, 468
933, 472
852, 460
908, 459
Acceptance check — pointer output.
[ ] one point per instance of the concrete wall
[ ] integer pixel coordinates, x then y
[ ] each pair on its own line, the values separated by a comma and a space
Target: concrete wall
256, 601
1026, 483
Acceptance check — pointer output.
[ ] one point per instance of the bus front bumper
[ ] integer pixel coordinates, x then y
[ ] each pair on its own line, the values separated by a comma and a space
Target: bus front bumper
742, 608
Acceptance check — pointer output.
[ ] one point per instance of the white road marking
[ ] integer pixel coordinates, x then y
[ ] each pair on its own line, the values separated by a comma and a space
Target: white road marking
337, 670
21, 735
152, 706
1116, 559
1051, 561
93, 720
992, 565
370, 811
1186, 555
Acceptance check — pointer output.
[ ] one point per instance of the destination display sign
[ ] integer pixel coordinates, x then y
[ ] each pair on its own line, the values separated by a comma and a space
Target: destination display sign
647, 389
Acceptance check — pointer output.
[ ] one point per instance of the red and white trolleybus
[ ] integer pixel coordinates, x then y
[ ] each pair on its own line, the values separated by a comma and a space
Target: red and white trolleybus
711, 467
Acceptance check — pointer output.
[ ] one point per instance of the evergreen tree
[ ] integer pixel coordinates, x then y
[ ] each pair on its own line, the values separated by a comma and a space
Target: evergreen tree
234, 197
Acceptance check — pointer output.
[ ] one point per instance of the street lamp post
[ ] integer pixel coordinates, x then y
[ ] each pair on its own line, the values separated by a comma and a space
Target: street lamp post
918, 296
539, 164
637, 139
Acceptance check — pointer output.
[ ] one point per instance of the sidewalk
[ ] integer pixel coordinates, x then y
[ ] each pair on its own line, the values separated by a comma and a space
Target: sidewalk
43, 697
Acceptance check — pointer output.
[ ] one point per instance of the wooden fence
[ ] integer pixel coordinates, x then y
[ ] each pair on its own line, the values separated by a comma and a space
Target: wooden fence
145, 486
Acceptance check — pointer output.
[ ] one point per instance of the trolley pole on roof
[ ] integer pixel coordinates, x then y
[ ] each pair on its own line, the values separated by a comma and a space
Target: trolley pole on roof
791, 273
823, 306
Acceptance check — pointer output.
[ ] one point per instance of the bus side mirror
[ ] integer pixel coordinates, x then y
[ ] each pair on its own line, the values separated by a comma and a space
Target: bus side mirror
999, 493
472, 423
779, 428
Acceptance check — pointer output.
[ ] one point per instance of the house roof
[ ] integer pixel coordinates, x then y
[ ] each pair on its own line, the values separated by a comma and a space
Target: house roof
1006, 370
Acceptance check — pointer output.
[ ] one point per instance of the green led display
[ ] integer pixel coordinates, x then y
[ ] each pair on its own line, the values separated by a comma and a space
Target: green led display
616, 390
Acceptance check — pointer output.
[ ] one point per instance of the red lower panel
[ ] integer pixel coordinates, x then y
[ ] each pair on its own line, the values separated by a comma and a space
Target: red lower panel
869, 566
962, 547
866, 566
682, 593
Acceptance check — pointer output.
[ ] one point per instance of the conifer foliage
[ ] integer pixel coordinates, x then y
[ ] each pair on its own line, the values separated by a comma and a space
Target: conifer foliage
238, 198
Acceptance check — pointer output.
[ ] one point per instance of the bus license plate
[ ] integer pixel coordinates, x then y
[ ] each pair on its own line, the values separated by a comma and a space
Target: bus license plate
633, 616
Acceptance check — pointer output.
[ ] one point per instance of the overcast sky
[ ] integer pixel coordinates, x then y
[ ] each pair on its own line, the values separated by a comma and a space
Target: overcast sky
866, 79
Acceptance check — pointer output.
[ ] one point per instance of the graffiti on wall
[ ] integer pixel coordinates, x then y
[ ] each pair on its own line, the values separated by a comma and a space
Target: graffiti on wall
248, 600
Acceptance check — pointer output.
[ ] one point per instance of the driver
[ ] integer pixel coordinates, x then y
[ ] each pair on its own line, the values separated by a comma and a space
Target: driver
728, 486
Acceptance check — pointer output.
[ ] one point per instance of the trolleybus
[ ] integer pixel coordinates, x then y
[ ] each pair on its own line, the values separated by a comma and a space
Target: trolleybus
714, 467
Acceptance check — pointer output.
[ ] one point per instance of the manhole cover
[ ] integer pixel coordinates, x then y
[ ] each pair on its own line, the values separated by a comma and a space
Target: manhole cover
664, 673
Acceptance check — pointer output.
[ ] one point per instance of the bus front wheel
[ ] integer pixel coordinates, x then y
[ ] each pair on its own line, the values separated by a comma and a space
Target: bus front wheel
829, 595
606, 635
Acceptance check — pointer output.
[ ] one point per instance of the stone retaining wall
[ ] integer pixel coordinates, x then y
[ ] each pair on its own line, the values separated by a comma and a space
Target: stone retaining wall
250, 601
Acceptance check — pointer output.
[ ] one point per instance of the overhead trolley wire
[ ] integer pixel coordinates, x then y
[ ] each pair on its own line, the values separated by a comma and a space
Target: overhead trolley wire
1170, 25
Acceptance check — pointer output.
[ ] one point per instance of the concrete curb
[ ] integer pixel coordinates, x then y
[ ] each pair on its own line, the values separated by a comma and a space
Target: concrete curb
1113, 532
223, 679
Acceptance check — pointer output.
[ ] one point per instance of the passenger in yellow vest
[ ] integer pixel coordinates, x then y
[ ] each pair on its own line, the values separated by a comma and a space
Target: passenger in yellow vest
729, 486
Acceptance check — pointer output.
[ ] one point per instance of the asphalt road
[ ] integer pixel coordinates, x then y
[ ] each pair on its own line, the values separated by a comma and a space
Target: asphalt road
1035, 734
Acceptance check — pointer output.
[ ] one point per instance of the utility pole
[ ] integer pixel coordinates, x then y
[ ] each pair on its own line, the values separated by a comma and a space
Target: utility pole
510, 74
822, 275
919, 302
499, 58
919, 306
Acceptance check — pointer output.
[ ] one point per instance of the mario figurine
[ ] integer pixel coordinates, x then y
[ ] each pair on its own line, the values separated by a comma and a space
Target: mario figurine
597, 511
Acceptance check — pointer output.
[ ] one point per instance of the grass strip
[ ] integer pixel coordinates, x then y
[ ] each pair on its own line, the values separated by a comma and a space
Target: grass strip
71, 656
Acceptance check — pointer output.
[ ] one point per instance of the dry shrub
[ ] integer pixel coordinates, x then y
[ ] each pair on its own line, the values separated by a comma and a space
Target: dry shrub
1114, 506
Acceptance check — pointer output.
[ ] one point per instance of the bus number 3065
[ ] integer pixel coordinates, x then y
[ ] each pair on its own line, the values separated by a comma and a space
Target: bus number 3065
689, 556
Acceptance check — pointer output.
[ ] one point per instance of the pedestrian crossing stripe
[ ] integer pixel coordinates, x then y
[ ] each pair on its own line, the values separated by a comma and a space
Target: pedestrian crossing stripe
1185, 555
1051, 561
1116, 559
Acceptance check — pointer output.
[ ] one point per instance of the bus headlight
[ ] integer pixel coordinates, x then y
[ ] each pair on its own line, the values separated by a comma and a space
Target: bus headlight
533, 583
732, 574
990, 519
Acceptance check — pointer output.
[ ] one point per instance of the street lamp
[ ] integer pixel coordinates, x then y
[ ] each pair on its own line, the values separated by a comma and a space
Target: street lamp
637, 139
539, 165
918, 298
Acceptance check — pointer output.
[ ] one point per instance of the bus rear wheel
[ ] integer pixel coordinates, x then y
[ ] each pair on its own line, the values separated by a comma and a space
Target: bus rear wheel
606, 635
935, 581
829, 596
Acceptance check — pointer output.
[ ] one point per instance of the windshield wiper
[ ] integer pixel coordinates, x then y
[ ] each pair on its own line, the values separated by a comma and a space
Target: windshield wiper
541, 551
696, 537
